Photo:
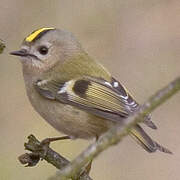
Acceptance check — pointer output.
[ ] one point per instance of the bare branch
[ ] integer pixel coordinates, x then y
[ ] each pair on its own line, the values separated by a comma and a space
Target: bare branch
116, 134
46, 153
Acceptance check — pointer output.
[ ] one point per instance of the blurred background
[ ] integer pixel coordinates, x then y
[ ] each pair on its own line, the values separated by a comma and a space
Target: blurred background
137, 40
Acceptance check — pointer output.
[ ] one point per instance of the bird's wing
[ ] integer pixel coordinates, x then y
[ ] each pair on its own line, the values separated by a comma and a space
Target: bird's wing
109, 100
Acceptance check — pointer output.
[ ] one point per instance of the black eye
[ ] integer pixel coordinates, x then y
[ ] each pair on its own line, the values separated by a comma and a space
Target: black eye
43, 50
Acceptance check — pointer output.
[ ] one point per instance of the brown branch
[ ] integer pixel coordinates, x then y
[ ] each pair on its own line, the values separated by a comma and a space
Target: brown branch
116, 134
45, 152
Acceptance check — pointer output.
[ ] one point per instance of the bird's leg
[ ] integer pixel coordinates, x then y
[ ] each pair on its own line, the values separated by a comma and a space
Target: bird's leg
47, 141
44, 144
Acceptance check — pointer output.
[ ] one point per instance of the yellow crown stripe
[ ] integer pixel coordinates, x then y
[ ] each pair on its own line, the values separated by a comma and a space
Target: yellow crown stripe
33, 35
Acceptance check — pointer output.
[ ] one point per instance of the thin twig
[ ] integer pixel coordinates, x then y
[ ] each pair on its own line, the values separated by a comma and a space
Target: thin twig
116, 134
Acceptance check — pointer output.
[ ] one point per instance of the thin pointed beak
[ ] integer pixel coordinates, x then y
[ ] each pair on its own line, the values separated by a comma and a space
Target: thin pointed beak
24, 53
21, 52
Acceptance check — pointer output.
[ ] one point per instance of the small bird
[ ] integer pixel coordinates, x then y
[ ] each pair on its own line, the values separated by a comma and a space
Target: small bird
73, 92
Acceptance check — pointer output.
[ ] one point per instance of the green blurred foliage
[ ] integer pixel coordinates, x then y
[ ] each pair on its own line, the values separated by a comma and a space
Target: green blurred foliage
137, 40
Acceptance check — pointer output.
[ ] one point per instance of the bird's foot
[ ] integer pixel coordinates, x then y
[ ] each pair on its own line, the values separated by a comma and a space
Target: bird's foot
44, 144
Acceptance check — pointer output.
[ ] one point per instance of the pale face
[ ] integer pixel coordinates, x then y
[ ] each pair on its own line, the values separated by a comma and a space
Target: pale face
37, 55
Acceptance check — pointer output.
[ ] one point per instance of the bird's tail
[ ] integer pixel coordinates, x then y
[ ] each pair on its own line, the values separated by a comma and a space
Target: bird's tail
145, 141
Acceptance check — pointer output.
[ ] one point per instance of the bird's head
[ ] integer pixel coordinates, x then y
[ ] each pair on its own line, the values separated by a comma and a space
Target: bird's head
45, 47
